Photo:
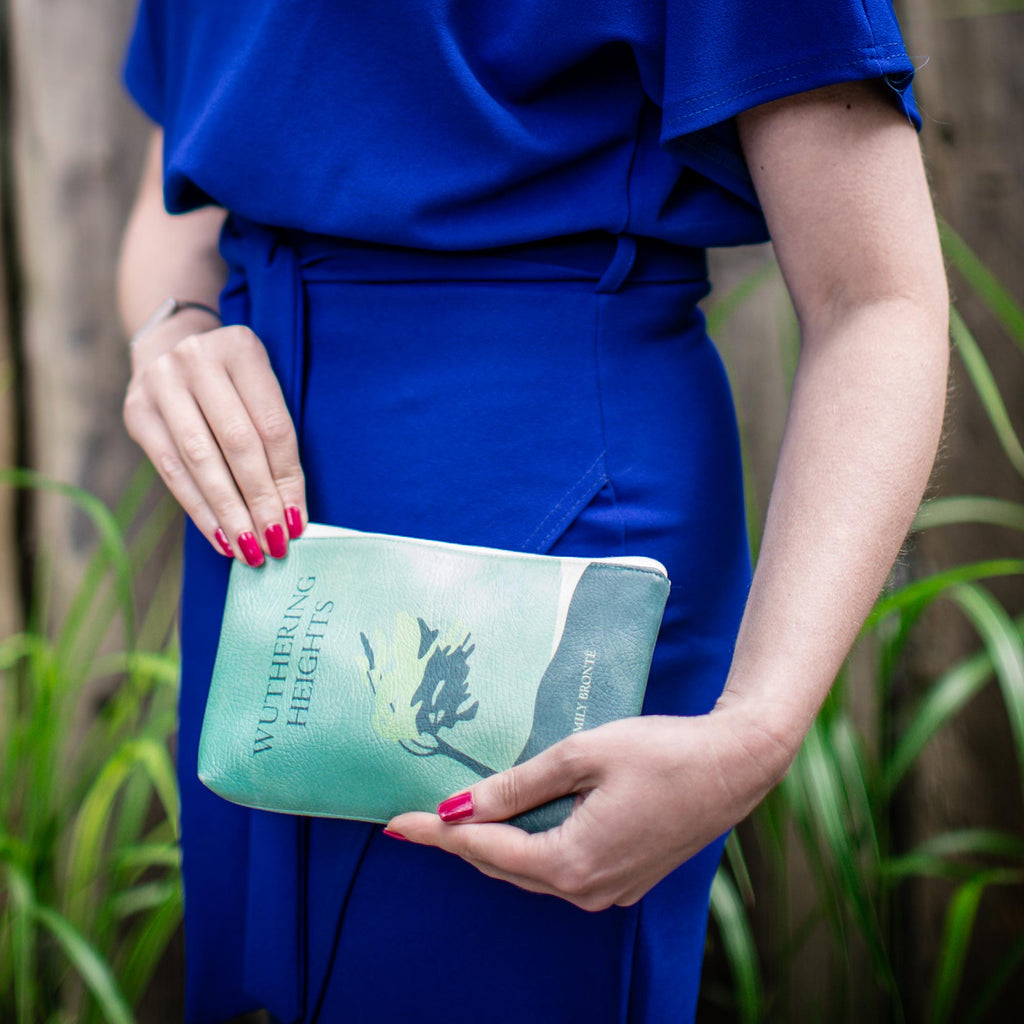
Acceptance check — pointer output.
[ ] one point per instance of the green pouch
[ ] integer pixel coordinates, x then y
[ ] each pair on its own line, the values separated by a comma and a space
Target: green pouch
365, 675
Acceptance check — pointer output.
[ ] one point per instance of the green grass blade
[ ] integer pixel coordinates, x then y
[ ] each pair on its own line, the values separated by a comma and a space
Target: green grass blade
917, 595
983, 281
1005, 645
943, 701
723, 309
851, 759
97, 604
111, 543
956, 687
147, 943
85, 855
162, 613
23, 943
738, 864
741, 950
949, 854
90, 966
831, 809
156, 760
142, 484
975, 842
142, 897
988, 391
796, 788
137, 858
969, 509
152, 666
956, 939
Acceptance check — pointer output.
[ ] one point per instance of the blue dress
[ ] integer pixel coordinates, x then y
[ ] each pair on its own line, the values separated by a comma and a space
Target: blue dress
471, 237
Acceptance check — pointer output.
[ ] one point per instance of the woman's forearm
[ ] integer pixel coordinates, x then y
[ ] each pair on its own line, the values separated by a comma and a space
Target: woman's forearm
860, 439
164, 256
203, 401
840, 178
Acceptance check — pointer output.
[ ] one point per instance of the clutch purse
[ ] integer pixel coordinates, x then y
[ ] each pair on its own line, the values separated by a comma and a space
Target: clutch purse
365, 675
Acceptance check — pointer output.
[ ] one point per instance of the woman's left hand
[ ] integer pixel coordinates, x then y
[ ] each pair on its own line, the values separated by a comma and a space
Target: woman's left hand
651, 792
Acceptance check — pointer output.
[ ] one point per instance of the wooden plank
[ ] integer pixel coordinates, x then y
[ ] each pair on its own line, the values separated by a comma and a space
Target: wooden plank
77, 146
10, 597
970, 95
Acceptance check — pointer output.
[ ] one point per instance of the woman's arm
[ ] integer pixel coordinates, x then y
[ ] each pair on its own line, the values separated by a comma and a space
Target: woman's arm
164, 255
839, 174
203, 402
840, 179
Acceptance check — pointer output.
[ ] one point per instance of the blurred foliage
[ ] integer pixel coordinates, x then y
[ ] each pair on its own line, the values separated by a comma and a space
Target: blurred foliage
90, 889
837, 802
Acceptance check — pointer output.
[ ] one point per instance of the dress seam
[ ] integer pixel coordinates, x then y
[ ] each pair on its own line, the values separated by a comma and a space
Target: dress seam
571, 496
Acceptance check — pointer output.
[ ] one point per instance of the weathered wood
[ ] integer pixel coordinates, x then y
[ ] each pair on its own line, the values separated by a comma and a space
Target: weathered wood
78, 145
10, 611
77, 148
971, 96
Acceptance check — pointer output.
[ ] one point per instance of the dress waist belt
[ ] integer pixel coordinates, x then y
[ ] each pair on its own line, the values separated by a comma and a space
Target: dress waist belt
275, 264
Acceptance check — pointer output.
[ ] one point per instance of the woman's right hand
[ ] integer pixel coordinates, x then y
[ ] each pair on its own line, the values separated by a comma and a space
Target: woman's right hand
206, 407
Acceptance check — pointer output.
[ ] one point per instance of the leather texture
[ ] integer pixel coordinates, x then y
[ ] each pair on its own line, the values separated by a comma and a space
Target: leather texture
365, 675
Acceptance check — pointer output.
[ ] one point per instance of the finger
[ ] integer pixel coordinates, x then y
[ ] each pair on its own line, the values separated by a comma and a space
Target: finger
560, 770
150, 432
501, 851
260, 390
546, 862
204, 462
242, 449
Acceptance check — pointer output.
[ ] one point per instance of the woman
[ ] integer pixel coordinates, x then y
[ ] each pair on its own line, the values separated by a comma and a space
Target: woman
458, 284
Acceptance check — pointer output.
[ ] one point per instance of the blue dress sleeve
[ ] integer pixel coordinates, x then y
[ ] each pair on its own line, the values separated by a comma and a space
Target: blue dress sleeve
143, 71
725, 56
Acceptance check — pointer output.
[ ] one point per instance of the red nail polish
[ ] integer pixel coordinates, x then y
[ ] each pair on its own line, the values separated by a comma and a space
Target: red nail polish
275, 541
225, 545
293, 520
394, 835
455, 808
250, 549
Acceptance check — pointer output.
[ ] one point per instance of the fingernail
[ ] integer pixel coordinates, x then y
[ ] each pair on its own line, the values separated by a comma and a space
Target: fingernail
225, 545
394, 835
250, 549
455, 808
293, 519
275, 540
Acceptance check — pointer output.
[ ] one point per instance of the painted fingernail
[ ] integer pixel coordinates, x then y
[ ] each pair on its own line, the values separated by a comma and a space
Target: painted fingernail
225, 545
394, 835
275, 541
293, 520
455, 808
250, 549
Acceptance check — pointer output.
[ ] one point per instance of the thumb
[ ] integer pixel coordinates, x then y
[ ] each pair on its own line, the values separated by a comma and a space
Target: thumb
558, 771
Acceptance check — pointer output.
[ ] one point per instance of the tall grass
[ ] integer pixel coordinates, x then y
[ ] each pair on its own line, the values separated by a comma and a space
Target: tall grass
838, 806
90, 890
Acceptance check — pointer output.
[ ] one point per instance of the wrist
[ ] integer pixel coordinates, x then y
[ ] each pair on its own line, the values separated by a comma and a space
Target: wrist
169, 308
770, 730
163, 336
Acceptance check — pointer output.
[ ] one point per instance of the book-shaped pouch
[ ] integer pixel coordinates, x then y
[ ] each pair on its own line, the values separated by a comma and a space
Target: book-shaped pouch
365, 675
